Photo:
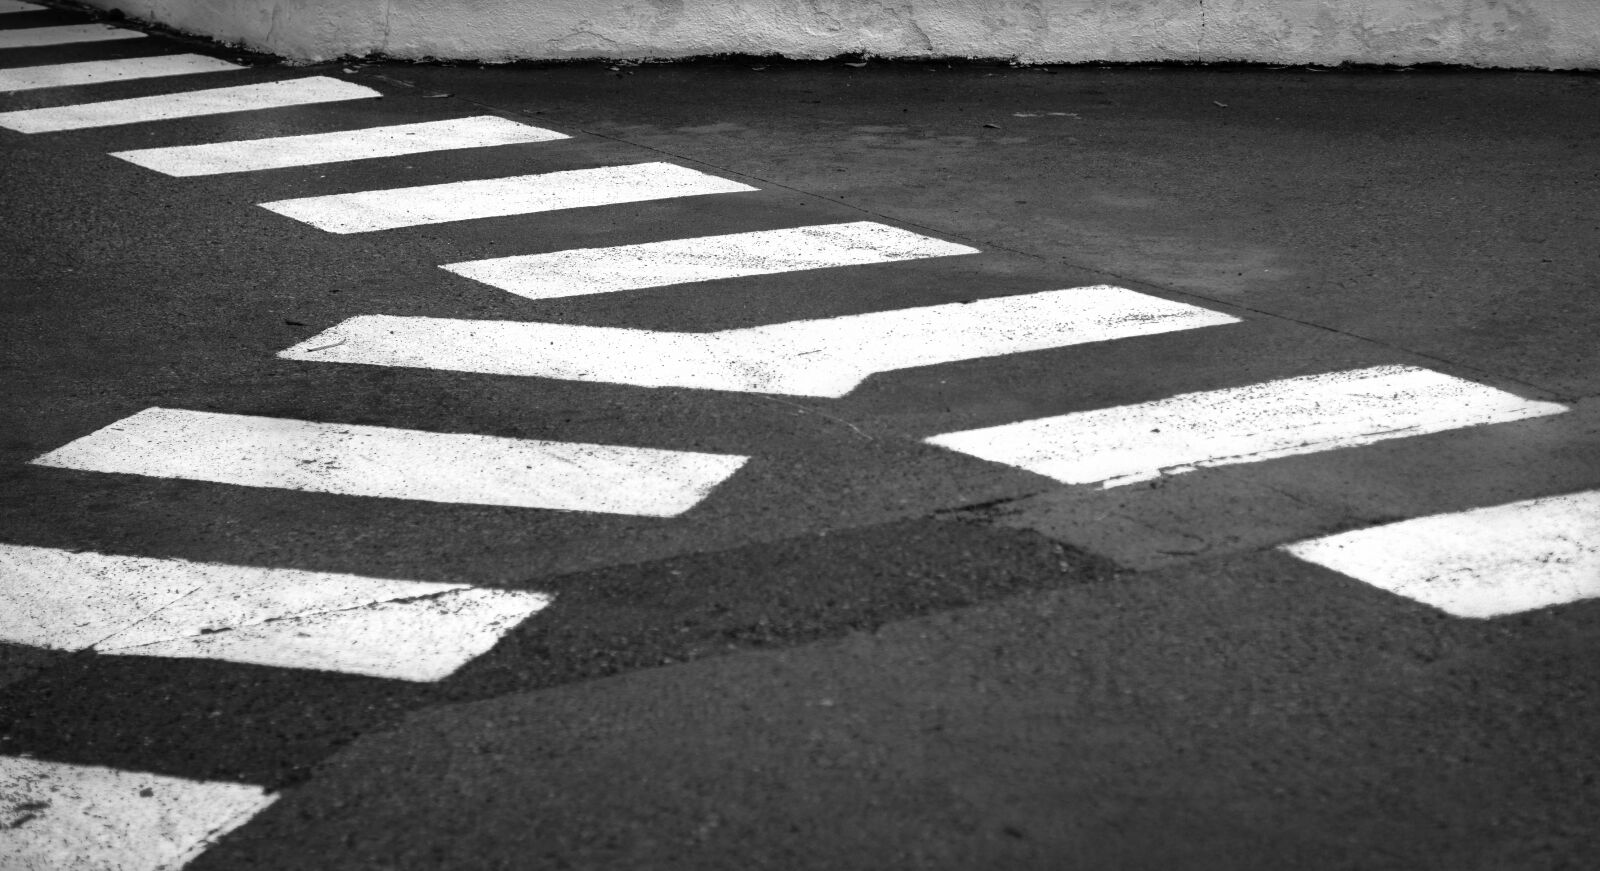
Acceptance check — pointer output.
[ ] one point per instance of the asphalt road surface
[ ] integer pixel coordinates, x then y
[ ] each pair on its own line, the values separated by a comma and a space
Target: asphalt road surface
758, 464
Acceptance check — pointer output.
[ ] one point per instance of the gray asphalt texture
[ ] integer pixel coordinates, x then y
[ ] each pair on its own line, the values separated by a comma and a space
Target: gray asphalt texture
862, 651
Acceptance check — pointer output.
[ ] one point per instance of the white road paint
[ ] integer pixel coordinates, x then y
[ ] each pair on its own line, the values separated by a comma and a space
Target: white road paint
629, 267
249, 155
424, 640
1486, 562
72, 600
97, 71
18, 6
55, 816
497, 197
33, 37
67, 600
189, 104
397, 463
1129, 443
809, 358
288, 618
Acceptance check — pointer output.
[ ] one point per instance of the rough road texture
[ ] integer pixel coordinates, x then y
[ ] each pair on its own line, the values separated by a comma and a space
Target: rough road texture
864, 651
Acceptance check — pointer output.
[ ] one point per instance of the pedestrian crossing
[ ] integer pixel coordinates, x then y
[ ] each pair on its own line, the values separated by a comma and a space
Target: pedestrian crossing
1482, 563
65, 34
188, 104
1131, 443
281, 152
585, 271
287, 618
828, 357
366, 211
1487, 562
383, 462
60, 815
97, 71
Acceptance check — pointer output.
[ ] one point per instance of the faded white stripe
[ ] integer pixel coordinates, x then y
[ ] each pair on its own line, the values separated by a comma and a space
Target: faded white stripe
58, 816
813, 358
679, 261
190, 104
398, 464
32, 37
317, 148
288, 618
1128, 443
18, 6
97, 71
1486, 562
497, 197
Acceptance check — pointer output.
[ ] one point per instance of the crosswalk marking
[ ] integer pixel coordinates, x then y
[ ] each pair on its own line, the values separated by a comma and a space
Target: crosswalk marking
34, 37
72, 600
1129, 443
421, 641
375, 461
1486, 562
317, 148
289, 618
190, 104
97, 71
18, 6
811, 358
679, 261
497, 197
56, 815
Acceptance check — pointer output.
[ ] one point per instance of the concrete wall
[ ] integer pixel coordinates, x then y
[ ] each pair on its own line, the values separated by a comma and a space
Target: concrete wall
1561, 34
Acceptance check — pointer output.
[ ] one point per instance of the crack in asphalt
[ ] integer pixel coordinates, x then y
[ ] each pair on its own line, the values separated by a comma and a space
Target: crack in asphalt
282, 618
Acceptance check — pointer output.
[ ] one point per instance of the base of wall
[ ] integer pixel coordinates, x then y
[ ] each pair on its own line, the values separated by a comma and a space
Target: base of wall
1539, 34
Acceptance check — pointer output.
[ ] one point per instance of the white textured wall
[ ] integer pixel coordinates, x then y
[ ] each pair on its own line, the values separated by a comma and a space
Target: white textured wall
1515, 33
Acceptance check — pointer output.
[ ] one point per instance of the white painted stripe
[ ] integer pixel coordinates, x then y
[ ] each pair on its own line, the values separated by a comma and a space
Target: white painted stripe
1481, 563
1120, 445
56, 816
426, 640
97, 71
69, 601
288, 618
191, 104
628, 267
497, 197
18, 6
316, 148
33, 37
812, 358
398, 464
72, 600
